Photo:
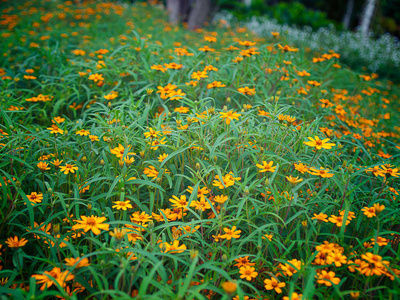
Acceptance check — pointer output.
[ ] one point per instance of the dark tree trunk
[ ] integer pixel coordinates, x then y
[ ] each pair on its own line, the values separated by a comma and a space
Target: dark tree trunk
173, 7
184, 10
349, 12
199, 13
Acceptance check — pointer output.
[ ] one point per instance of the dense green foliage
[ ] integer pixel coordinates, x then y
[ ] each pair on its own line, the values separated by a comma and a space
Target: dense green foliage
141, 160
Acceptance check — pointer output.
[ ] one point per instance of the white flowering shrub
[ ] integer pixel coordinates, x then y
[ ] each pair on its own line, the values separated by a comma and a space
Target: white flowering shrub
377, 55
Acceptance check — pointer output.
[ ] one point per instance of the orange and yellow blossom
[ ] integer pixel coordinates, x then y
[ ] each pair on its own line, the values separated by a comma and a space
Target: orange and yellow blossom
227, 181
54, 276
327, 278
266, 167
273, 284
248, 273
229, 116
319, 144
15, 242
77, 262
231, 233
68, 168
91, 223
173, 247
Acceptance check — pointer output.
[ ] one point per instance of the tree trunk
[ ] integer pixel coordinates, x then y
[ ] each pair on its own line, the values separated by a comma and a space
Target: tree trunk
367, 15
184, 10
199, 13
247, 3
173, 7
349, 12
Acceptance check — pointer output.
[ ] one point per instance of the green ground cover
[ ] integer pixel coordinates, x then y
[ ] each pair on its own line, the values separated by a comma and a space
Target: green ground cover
139, 159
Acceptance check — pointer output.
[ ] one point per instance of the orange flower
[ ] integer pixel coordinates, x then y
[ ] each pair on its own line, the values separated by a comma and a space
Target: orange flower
15, 242
91, 223
77, 262
173, 248
231, 233
266, 167
43, 166
54, 276
273, 284
327, 278
248, 273
35, 198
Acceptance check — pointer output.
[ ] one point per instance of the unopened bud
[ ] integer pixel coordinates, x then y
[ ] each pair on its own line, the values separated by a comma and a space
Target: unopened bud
56, 228
102, 162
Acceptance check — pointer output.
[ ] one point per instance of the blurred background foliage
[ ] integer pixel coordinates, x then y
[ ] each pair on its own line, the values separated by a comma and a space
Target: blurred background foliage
318, 13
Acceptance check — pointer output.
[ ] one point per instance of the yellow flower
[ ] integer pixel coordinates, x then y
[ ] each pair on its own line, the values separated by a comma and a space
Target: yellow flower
173, 248
202, 204
179, 202
55, 129
161, 157
294, 180
273, 284
327, 278
43, 166
151, 172
35, 198
369, 211
140, 217
152, 134
68, 168
156, 143
82, 132
182, 109
93, 138
220, 199
322, 172
321, 217
96, 77
266, 167
91, 223
319, 144
294, 296
124, 205
227, 181
231, 233
56, 163
248, 273
229, 287
120, 150
229, 116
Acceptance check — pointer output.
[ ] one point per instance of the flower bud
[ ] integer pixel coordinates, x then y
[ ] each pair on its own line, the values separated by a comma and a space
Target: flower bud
56, 228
